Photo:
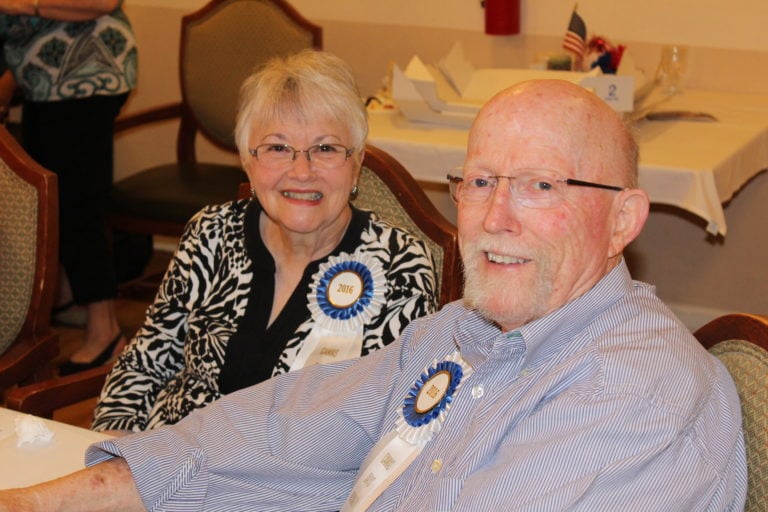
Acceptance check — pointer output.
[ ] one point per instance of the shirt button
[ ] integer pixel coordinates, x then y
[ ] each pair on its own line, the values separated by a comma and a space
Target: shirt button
437, 465
477, 391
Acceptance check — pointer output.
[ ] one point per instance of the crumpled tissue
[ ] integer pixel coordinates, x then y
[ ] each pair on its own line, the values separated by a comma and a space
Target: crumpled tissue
30, 429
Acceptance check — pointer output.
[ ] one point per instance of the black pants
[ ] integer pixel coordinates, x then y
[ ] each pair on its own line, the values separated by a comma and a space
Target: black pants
74, 139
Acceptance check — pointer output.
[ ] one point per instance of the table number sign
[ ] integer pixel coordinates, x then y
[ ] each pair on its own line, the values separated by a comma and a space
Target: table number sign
616, 90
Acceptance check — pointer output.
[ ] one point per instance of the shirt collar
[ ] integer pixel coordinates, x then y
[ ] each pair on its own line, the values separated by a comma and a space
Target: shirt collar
548, 335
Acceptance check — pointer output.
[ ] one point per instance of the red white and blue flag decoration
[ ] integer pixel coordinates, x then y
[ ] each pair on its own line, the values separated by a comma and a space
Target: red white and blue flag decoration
575, 40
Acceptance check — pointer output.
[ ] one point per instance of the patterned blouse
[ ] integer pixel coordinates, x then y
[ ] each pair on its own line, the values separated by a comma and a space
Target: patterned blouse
56, 60
208, 333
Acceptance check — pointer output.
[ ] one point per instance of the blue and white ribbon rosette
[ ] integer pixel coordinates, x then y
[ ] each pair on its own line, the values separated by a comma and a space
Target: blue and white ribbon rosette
428, 401
424, 410
347, 292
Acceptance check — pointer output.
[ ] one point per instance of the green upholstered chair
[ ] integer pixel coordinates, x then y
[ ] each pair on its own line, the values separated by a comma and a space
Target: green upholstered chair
28, 265
220, 46
388, 189
740, 341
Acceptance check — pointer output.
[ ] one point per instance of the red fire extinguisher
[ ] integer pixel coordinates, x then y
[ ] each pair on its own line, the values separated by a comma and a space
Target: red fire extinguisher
502, 17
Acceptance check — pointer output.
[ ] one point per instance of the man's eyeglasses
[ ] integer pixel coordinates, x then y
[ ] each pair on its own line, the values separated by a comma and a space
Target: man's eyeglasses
533, 188
281, 156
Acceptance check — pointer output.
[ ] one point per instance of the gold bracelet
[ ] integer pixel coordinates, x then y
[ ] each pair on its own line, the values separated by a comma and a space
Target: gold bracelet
37, 8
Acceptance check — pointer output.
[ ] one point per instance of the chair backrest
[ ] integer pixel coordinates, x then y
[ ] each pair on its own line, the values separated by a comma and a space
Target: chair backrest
28, 243
388, 189
740, 341
221, 44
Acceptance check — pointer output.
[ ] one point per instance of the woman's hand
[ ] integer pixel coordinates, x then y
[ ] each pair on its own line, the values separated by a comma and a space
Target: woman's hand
117, 433
64, 10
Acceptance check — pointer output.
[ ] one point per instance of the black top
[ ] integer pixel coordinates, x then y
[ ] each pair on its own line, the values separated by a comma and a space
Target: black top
253, 350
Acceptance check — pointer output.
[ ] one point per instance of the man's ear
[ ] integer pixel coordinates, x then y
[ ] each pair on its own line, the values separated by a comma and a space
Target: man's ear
630, 213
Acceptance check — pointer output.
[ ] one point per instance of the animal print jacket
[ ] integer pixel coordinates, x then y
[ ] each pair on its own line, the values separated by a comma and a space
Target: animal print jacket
175, 362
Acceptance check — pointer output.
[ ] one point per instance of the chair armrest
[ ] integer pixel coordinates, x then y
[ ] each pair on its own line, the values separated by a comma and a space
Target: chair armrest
150, 115
29, 359
42, 398
743, 326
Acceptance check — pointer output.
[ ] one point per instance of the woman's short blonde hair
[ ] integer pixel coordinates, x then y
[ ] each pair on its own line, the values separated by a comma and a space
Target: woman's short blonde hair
313, 85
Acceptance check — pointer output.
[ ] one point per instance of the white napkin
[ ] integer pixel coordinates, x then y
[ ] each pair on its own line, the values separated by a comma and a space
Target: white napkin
30, 429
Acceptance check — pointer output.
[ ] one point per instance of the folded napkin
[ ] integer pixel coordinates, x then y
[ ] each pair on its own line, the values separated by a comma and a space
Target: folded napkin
30, 429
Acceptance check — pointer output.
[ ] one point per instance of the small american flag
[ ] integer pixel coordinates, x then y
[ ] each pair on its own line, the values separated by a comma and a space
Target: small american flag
575, 39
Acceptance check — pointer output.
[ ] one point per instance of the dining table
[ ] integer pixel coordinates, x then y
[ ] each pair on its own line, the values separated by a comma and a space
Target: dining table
29, 460
697, 147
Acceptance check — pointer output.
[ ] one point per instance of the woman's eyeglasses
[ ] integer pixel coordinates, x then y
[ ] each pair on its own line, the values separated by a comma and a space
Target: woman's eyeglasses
281, 156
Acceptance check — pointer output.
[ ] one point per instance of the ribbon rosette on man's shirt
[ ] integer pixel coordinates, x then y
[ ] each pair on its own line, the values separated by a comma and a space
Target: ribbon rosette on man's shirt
429, 399
424, 409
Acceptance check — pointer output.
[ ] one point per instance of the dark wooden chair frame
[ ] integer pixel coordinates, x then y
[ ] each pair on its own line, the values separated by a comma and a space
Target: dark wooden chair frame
29, 357
741, 326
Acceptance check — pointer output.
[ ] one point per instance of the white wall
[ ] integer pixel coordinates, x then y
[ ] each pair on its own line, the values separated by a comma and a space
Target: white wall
369, 33
737, 24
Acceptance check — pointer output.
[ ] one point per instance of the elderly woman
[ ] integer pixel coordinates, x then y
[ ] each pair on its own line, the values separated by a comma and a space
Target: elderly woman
292, 277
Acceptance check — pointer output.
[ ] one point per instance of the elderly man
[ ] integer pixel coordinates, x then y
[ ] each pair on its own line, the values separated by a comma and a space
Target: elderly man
558, 383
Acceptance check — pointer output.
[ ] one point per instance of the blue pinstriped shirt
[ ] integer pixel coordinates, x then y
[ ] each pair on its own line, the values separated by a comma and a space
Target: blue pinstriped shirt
606, 404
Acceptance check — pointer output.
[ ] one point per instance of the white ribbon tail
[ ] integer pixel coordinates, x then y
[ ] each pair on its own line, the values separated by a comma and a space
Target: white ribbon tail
387, 460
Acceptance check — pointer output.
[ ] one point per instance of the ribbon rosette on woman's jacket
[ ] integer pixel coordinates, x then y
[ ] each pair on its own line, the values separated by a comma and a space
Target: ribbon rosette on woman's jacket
347, 291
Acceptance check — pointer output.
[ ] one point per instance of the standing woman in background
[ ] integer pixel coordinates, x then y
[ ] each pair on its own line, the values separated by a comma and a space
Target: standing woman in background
75, 62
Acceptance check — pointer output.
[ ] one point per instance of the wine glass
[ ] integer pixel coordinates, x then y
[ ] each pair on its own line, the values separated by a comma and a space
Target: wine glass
671, 68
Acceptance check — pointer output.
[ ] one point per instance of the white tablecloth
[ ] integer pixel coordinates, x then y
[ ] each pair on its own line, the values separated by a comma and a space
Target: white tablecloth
693, 165
40, 461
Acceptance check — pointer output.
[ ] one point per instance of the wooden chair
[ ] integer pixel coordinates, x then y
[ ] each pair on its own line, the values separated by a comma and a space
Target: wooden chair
29, 243
740, 341
221, 44
385, 187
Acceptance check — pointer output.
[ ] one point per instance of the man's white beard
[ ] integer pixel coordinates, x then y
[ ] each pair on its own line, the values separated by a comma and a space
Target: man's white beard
502, 301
